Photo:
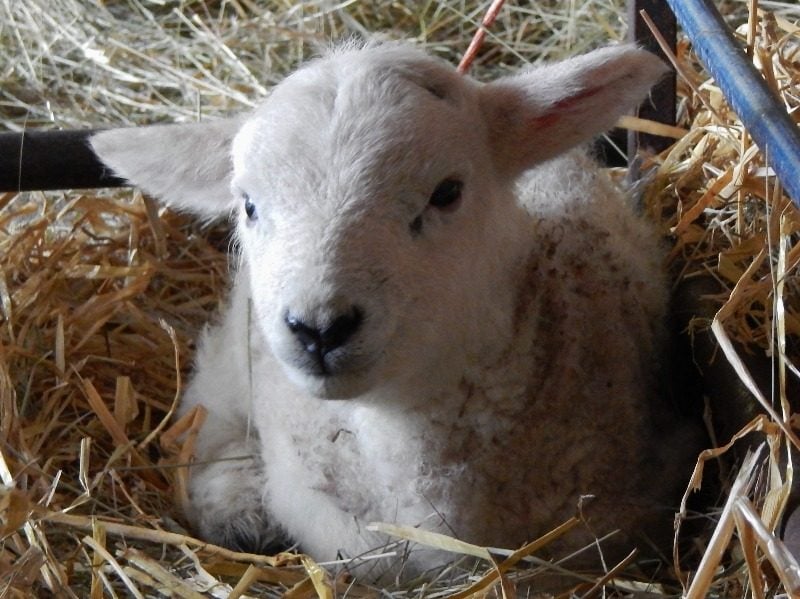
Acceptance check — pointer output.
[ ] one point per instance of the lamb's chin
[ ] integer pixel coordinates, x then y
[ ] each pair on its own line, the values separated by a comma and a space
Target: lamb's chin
332, 386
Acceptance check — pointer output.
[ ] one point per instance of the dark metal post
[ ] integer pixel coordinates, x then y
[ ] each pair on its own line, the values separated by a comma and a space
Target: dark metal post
661, 104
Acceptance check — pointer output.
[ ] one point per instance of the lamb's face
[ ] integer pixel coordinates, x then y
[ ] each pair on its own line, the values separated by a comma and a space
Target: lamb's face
363, 185
379, 241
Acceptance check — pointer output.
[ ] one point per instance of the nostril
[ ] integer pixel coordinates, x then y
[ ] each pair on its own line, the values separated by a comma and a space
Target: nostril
320, 342
342, 328
310, 337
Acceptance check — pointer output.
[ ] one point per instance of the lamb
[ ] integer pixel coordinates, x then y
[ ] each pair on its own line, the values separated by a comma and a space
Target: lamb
445, 314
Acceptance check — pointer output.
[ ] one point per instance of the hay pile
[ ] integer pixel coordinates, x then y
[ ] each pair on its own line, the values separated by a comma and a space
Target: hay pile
79, 63
102, 293
736, 249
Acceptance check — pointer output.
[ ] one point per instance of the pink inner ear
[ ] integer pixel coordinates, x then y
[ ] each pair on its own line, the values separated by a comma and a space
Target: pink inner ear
554, 113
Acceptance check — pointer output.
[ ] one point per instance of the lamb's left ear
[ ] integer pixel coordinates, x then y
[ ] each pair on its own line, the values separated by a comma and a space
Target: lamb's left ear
542, 112
188, 166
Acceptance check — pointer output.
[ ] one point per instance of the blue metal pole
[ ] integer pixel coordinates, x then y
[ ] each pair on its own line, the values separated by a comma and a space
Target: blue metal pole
761, 112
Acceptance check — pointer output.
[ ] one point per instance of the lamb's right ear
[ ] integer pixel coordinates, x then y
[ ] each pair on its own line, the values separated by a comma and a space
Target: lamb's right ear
187, 166
543, 112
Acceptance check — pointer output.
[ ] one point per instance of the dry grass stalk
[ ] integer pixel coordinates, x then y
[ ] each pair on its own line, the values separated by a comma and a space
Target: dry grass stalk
89, 372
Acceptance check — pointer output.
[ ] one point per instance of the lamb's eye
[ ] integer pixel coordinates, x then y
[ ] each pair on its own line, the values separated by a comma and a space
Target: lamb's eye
447, 194
249, 208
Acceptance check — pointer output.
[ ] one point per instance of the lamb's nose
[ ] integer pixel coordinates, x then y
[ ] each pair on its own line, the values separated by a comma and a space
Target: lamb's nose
319, 341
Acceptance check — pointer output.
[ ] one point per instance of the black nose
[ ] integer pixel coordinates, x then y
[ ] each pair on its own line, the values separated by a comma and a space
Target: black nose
319, 341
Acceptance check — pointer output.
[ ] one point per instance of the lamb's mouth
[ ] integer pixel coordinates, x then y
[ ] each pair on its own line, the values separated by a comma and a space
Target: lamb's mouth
328, 364
339, 386
334, 379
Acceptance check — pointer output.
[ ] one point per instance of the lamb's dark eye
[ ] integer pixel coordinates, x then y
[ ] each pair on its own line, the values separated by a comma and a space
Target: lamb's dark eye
447, 194
249, 207
445, 198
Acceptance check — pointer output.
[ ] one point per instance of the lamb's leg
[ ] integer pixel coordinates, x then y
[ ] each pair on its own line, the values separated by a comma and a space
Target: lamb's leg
226, 507
227, 482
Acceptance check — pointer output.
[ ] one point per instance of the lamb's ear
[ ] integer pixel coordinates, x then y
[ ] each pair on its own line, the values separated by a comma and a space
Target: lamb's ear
542, 112
187, 166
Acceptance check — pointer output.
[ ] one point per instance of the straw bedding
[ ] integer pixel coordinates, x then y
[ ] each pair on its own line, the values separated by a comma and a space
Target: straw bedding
102, 293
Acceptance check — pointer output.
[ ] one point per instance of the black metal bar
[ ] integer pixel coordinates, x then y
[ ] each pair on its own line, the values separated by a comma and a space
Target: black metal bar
41, 160
661, 104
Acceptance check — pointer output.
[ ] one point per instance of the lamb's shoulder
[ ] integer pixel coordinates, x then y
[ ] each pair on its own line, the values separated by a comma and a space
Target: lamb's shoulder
592, 246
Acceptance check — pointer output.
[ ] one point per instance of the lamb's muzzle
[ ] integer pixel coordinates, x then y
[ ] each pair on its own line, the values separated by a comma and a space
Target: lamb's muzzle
318, 342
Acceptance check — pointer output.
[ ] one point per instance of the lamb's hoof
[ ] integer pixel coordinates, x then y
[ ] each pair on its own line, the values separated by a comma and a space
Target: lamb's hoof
248, 533
226, 504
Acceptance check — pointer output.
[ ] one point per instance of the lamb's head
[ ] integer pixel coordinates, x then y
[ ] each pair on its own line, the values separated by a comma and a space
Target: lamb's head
373, 193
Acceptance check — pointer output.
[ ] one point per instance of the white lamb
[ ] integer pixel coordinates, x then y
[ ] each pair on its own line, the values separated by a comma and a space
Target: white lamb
440, 317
